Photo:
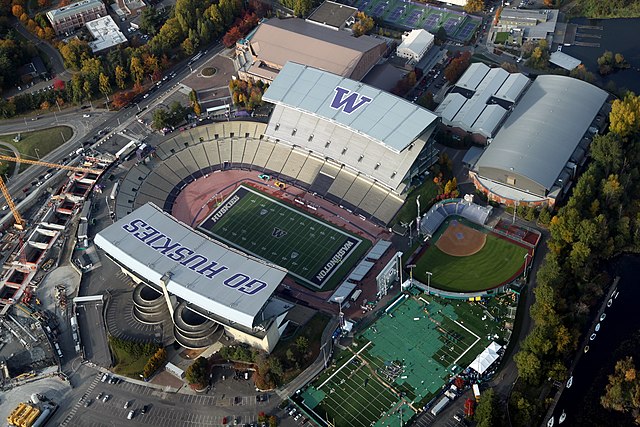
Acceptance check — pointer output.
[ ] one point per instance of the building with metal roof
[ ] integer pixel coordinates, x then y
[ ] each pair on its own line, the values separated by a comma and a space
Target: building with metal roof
333, 15
219, 283
277, 41
563, 60
75, 15
535, 154
480, 101
349, 123
415, 44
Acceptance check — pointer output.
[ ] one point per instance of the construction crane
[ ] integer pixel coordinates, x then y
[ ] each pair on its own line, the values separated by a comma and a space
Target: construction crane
19, 221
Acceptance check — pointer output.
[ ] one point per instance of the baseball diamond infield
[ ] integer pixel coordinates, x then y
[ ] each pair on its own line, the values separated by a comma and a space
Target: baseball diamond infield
461, 240
486, 265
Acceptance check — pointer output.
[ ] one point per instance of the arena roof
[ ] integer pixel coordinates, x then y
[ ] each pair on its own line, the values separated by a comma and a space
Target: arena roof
156, 247
332, 14
381, 116
277, 41
544, 129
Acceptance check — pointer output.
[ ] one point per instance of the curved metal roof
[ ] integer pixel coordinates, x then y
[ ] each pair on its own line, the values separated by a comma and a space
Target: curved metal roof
544, 129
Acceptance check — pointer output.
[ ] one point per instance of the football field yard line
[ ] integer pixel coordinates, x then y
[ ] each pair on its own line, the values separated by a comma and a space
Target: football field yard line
345, 364
246, 226
468, 348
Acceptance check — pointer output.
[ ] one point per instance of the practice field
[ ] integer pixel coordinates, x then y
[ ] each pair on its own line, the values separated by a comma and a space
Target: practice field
401, 361
498, 260
315, 252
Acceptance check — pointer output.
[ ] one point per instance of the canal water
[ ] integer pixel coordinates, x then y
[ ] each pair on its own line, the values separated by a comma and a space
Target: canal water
619, 336
618, 36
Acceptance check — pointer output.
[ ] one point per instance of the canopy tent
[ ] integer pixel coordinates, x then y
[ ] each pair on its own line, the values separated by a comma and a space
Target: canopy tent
485, 359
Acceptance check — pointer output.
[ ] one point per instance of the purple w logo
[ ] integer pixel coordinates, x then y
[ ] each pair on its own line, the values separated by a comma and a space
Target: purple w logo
350, 103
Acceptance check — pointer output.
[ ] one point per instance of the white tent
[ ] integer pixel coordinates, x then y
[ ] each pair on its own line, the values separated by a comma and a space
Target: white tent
486, 358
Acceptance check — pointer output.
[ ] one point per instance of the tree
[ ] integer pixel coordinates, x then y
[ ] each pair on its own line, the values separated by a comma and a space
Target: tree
622, 393
104, 85
607, 151
528, 366
458, 66
302, 344
273, 421
121, 76
150, 20
231, 37
363, 24
624, 117
611, 189
426, 101
136, 69
509, 67
441, 34
17, 10
581, 72
160, 118
196, 373
197, 109
474, 6
302, 7
485, 414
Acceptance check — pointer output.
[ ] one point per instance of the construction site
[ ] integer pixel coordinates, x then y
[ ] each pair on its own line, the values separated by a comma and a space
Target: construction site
39, 278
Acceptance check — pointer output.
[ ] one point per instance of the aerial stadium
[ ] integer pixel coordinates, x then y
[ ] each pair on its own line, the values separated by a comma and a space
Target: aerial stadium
302, 198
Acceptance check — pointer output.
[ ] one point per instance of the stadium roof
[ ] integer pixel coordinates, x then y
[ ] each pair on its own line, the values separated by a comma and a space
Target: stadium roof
565, 61
381, 116
224, 281
544, 128
332, 14
277, 41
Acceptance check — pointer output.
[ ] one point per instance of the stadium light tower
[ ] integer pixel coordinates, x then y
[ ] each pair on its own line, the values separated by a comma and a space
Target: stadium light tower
525, 266
411, 267
339, 300
418, 217
429, 274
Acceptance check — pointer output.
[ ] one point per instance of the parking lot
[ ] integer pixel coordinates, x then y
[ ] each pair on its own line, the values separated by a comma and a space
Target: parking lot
163, 409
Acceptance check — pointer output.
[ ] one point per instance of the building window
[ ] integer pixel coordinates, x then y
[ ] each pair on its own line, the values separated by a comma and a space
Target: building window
231, 135
247, 135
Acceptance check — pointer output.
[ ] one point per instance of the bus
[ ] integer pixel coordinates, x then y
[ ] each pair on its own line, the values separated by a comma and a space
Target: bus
114, 191
127, 150
356, 294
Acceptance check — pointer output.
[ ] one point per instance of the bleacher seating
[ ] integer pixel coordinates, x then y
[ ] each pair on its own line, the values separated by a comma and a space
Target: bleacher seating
433, 219
188, 155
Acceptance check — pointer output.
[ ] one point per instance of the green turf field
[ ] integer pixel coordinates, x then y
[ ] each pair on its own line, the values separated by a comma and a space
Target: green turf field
315, 252
498, 261
435, 338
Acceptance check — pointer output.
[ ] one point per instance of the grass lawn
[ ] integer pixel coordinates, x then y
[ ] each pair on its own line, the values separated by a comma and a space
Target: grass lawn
501, 37
316, 253
130, 357
496, 263
427, 192
44, 141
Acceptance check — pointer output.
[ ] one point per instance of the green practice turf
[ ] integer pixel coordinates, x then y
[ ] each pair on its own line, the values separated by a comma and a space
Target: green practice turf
317, 253
497, 262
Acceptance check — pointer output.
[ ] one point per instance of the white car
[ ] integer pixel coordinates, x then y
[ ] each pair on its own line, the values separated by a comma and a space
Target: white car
126, 404
86, 115
130, 414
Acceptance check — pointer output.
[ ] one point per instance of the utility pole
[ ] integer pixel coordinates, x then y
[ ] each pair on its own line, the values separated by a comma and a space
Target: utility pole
429, 274
418, 217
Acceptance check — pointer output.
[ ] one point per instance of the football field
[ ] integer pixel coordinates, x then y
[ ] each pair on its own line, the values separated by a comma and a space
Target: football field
315, 252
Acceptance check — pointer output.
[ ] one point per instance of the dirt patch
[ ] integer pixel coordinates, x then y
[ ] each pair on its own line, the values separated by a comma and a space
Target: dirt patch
461, 240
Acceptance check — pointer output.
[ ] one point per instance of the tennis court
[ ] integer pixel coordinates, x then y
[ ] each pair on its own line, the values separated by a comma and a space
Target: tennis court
413, 18
315, 252
399, 363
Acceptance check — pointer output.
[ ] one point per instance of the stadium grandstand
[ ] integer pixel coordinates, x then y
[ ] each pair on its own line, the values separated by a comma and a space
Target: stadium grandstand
359, 129
439, 212
369, 178
206, 286
534, 157
263, 53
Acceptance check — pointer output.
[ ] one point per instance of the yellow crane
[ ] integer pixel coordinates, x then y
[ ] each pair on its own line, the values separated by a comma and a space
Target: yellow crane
19, 221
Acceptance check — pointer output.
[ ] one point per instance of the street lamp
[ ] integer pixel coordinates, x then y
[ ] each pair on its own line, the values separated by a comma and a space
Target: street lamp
38, 153
429, 274
418, 217
411, 267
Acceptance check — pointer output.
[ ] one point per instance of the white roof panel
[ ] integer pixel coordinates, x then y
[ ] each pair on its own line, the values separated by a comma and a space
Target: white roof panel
512, 87
202, 271
565, 61
473, 76
381, 116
